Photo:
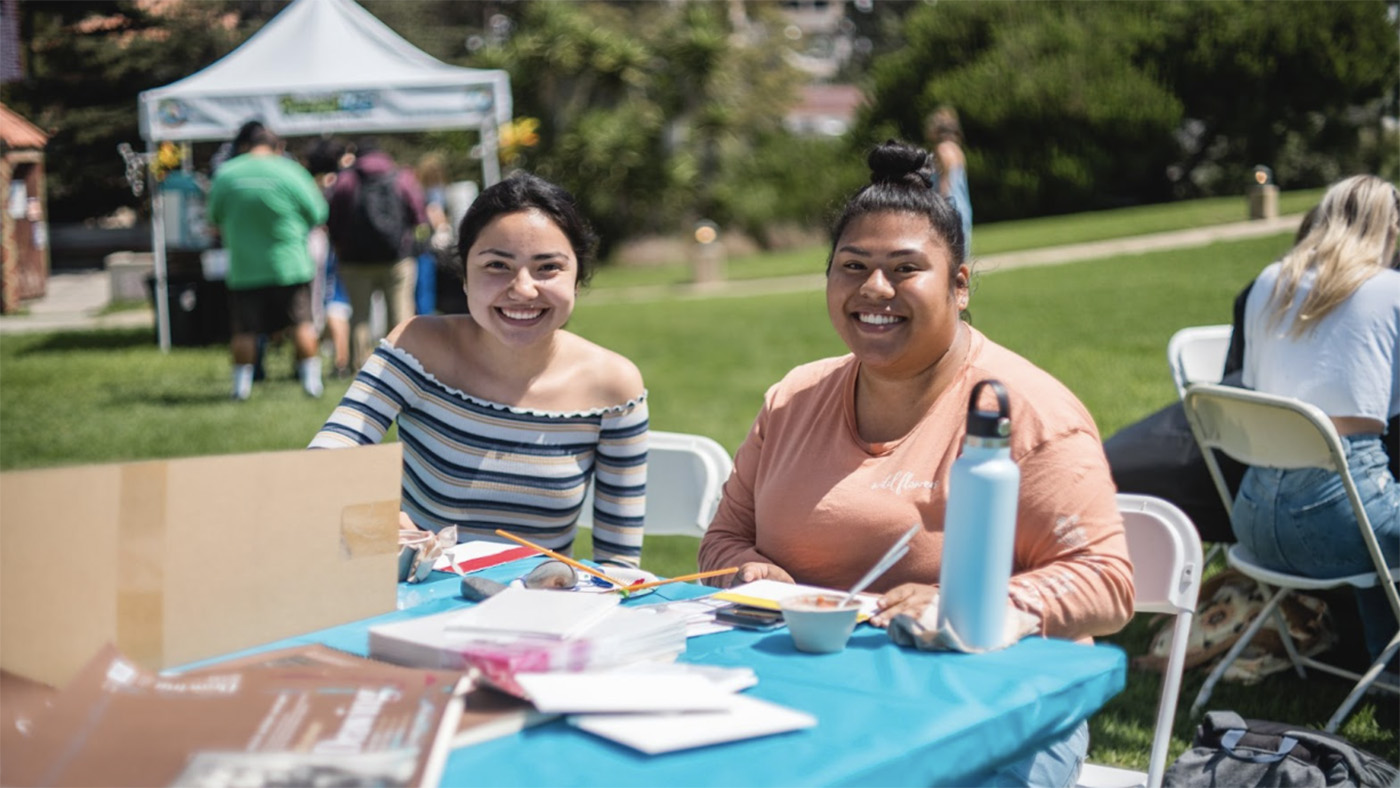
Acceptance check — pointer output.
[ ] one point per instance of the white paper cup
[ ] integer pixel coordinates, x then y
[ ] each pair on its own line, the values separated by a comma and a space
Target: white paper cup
817, 623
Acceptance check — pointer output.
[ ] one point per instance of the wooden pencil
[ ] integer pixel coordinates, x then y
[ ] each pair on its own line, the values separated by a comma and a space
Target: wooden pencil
556, 556
696, 576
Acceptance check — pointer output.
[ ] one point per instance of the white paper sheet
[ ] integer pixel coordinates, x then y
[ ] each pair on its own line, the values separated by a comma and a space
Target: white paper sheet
531, 612
745, 718
623, 691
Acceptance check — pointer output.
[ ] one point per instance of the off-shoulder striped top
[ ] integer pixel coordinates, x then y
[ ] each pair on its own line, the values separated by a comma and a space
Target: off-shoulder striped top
481, 466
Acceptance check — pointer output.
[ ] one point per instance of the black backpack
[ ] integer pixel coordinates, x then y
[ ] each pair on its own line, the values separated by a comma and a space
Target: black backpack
378, 220
1229, 750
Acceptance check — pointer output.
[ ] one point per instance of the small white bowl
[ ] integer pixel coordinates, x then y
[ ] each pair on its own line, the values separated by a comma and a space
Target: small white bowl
819, 625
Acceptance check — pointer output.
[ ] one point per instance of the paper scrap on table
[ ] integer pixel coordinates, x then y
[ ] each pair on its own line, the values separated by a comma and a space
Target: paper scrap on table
770, 594
745, 718
475, 555
622, 691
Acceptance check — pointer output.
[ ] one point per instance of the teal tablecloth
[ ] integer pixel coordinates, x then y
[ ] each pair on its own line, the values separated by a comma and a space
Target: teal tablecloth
887, 716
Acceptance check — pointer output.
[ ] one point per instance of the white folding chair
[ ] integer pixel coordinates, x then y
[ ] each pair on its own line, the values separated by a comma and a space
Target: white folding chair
1167, 564
1196, 354
1282, 432
685, 476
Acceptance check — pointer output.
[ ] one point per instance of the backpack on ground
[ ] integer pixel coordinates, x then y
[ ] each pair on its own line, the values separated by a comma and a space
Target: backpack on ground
378, 219
1230, 750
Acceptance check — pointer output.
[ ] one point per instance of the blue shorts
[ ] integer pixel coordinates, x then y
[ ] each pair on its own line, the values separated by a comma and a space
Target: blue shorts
335, 288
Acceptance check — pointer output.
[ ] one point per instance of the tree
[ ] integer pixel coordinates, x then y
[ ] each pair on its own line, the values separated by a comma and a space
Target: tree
1292, 85
645, 108
1075, 106
1057, 114
87, 62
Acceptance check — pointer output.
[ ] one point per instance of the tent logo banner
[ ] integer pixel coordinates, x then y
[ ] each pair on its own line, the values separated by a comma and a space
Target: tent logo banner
358, 101
320, 112
172, 113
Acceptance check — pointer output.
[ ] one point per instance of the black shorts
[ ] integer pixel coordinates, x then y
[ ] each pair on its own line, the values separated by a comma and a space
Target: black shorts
266, 310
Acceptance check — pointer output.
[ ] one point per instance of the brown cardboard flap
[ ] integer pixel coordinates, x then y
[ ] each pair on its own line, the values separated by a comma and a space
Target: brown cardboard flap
58, 569
180, 560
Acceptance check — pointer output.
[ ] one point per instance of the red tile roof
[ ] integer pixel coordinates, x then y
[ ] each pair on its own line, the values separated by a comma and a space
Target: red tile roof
16, 132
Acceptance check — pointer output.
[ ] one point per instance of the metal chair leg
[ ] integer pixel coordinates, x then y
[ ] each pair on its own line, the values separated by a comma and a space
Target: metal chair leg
1245, 637
1367, 679
1216, 550
1281, 621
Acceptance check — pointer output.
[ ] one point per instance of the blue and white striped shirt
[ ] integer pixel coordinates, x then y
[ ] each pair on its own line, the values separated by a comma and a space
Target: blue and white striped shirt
481, 466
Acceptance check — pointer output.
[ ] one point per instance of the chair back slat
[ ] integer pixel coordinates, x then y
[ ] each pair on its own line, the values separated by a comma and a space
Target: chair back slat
1261, 430
685, 481
1196, 354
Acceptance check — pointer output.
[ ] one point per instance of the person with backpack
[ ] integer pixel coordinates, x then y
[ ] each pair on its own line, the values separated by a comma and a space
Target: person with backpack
376, 208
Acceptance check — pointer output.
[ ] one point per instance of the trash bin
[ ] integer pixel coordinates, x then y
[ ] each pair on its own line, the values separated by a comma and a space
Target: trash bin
187, 327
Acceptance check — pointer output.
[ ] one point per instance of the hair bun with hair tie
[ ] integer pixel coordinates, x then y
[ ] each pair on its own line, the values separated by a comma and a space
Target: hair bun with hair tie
895, 162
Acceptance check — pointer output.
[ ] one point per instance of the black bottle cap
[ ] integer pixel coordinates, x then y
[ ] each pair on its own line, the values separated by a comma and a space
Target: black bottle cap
989, 423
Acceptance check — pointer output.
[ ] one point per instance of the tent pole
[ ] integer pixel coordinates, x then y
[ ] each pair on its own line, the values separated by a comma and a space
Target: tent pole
490, 155
162, 287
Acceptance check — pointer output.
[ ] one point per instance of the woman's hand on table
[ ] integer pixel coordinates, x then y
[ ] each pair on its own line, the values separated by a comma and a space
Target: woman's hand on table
910, 599
757, 570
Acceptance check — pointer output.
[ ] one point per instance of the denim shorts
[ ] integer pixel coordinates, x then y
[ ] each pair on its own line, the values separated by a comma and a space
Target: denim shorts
1301, 521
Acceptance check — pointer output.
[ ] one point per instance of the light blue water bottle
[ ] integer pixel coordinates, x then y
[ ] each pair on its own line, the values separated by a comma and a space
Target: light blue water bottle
979, 529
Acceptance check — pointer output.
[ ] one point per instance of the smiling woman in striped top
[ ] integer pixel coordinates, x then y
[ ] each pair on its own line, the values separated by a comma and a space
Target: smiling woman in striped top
503, 415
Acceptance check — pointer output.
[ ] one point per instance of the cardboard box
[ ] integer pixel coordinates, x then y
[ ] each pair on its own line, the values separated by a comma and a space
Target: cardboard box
180, 560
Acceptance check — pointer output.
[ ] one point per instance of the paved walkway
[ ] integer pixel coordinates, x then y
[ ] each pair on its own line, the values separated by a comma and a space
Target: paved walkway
76, 299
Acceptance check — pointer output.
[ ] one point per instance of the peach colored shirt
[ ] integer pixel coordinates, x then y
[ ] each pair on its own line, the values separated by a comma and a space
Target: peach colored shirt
810, 496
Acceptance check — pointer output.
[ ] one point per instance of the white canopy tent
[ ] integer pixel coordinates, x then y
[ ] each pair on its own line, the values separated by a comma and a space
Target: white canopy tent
321, 66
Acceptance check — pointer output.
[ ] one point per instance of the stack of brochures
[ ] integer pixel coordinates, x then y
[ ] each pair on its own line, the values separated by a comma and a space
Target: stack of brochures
302, 716
531, 631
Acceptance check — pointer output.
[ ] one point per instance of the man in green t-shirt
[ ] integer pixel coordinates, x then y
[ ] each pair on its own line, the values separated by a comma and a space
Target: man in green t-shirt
264, 204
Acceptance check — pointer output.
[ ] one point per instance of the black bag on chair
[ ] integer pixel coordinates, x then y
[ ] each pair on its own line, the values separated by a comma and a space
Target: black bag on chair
1229, 750
1158, 456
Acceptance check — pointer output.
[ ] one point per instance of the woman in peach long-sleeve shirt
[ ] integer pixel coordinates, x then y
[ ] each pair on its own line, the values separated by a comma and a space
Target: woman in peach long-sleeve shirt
847, 452
811, 496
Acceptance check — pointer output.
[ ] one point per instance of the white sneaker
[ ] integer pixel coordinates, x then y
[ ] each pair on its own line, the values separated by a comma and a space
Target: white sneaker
242, 381
309, 370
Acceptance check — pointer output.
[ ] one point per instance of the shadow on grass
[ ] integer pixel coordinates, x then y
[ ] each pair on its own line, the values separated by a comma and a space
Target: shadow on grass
106, 339
172, 398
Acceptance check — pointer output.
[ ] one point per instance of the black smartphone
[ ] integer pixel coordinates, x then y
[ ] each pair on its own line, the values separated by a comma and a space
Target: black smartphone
749, 617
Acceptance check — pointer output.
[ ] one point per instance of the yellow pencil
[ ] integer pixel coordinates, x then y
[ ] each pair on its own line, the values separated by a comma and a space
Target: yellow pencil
571, 562
698, 575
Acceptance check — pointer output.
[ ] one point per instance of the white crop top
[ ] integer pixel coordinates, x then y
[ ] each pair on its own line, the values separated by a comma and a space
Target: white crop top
1348, 365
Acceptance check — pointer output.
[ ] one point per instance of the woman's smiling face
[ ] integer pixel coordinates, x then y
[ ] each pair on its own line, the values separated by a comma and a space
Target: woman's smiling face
521, 277
890, 294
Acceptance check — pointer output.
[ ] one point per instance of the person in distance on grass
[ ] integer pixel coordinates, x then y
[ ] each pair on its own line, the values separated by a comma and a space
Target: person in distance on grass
264, 206
503, 415
1323, 325
944, 132
846, 452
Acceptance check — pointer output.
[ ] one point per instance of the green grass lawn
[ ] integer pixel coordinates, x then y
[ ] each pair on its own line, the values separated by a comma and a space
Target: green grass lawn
1101, 327
988, 239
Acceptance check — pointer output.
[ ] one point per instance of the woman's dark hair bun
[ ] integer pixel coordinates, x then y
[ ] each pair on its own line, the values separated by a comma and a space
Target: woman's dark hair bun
898, 163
